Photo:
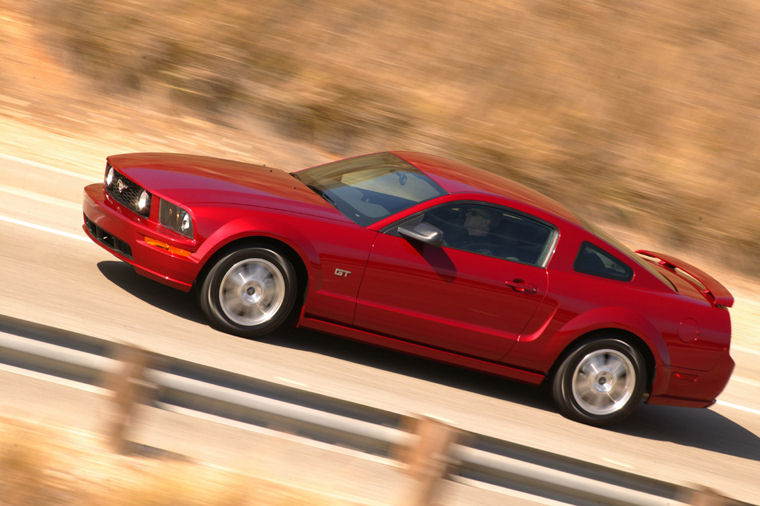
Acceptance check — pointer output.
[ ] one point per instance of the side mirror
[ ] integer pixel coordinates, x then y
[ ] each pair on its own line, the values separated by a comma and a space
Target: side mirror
423, 232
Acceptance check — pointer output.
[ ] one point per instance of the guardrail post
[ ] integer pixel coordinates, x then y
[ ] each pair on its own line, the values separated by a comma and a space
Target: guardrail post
427, 459
128, 388
704, 496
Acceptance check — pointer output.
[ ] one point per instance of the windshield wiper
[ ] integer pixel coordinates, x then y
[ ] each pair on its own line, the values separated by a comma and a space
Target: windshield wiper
316, 190
321, 193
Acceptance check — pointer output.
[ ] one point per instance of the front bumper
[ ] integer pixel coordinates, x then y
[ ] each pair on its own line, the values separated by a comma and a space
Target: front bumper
123, 232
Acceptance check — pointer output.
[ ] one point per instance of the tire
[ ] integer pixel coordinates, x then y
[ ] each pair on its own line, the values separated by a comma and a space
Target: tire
600, 382
249, 292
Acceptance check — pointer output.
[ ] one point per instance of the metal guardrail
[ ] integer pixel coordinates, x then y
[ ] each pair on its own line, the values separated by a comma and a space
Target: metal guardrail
189, 385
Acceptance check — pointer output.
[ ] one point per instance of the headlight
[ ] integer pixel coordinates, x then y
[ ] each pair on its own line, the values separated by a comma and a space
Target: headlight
175, 218
143, 202
186, 226
109, 176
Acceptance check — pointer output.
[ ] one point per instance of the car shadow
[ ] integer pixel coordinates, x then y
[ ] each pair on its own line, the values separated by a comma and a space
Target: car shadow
699, 428
163, 297
412, 366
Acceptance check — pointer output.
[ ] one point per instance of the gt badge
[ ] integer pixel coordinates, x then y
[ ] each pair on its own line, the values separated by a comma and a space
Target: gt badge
342, 273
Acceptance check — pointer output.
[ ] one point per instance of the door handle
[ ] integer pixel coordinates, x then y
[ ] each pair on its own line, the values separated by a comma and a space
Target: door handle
519, 285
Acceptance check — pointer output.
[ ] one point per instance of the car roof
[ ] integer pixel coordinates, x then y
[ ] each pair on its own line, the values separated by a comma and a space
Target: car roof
457, 177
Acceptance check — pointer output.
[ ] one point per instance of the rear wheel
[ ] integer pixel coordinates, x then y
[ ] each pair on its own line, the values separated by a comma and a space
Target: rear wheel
600, 382
249, 292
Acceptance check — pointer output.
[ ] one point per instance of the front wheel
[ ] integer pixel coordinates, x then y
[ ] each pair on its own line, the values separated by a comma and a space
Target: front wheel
600, 382
249, 292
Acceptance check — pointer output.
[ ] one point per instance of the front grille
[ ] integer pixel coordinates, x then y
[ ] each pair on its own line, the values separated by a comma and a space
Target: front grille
108, 240
127, 193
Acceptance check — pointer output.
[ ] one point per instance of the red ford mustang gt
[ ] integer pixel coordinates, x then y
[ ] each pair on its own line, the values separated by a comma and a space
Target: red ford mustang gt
428, 256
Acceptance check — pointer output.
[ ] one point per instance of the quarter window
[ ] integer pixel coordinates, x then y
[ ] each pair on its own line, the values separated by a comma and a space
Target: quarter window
597, 262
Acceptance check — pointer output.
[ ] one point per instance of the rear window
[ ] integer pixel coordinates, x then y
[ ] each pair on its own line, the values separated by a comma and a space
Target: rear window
625, 250
597, 262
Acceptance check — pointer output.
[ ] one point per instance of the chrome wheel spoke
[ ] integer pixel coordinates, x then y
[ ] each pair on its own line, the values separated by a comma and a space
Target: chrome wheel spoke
603, 381
584, 382
619, 391
235, 281
256, 272
232, 303
618, 370
252, 291
597, 399
268, 291
593, 365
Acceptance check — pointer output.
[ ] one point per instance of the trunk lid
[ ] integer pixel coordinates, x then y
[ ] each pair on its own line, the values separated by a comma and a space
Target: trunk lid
685, 275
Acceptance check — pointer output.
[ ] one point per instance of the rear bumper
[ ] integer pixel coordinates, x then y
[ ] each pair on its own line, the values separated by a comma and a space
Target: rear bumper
680, 386
122, 233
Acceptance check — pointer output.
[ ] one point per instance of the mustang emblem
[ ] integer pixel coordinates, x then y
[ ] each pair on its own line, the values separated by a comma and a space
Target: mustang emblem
121, 185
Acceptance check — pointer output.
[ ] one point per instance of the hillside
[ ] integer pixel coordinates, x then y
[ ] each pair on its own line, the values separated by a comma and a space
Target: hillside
644, 115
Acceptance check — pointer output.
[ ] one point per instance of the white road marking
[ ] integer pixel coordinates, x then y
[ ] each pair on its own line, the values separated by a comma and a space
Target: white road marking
746, 381
745, 350
290, 381
47, 167
616, 463
740, 408
42, 228
437, 418
39, 197
84, 387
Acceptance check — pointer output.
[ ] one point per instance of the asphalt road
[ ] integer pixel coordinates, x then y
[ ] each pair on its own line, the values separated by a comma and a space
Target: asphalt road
50, 273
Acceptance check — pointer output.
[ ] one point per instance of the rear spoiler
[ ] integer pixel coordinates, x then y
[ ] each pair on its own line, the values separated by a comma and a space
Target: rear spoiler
709, 286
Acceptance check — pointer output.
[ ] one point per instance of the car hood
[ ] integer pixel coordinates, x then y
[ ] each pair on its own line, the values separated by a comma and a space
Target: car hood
192, 180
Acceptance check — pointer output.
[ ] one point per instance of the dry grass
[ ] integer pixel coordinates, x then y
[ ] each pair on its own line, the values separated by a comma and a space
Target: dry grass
42, 465
643, 114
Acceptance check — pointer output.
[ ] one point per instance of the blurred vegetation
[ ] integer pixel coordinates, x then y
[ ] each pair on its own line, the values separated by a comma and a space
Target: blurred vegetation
46, 466
642, 114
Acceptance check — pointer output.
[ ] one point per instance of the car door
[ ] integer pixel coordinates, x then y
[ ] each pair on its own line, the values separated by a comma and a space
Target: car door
473, 294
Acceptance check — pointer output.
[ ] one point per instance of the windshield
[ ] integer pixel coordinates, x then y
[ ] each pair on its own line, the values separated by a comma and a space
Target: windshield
369, 188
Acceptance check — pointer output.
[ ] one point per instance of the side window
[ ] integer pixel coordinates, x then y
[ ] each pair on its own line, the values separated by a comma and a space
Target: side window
597, 262
492, 231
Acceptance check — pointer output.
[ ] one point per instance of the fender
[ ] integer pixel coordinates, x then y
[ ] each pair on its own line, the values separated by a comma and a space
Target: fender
624, 318
617, 317
260, 223
540, 350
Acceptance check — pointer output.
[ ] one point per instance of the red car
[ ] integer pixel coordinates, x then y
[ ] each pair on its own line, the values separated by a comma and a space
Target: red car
428, 256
